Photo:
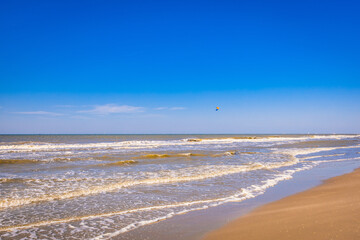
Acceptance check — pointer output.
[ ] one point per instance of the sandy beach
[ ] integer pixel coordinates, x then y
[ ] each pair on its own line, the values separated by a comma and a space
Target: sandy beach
329, 211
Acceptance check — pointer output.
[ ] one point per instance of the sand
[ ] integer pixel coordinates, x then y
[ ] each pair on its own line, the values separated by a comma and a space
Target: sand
329, 211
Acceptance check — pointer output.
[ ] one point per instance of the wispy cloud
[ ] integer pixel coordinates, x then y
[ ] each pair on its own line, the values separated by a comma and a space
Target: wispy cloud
65, 106
40, 113
113, 108
169, 108
161, 108
177, 108
80, 117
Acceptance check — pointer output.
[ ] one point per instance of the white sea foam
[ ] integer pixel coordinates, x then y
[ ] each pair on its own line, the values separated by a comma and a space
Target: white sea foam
336, 160
245, 193
322, 156
32, 147
175, 176
166, 177
305, 151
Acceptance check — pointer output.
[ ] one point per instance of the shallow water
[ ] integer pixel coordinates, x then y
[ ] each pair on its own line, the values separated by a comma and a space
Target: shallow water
101, 186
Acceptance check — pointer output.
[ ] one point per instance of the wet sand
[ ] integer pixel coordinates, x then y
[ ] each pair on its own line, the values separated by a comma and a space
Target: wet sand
329, 211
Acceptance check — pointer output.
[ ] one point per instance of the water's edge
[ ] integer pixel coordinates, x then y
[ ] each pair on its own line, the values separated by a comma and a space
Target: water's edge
196, 224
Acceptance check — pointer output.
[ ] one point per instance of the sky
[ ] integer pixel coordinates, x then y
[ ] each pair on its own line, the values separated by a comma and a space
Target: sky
152, 67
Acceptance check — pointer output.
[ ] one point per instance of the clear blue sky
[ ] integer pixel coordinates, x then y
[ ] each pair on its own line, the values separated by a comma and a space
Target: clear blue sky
163, 66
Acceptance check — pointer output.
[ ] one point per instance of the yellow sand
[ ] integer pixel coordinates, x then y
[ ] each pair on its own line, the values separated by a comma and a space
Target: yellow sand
329, 211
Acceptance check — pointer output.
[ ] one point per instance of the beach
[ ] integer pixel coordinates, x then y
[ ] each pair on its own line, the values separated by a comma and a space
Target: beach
328, 211
136, 186
179, 120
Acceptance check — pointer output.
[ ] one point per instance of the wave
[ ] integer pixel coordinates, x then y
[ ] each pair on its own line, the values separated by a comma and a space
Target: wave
193, 140
118, 163
243, 194
269, 138
170, 155
174, 176
11, 180
21, 143
228, 153
48, 147
225, 138
41, 180
167, 177
18, 161
335, 160
231, 153
122, 162
28, 161
305, 151
322, 156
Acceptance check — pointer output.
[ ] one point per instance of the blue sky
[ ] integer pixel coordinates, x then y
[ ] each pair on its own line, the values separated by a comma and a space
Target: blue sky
163, 67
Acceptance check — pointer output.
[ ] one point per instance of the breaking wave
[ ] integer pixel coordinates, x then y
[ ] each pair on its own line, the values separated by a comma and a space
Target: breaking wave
48, 147
174, 176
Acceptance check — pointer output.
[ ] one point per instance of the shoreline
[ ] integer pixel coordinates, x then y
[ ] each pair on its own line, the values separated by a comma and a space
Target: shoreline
196, 225
328, 211
178, 198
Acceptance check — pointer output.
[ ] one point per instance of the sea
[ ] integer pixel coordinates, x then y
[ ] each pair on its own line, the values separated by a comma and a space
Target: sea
103, 186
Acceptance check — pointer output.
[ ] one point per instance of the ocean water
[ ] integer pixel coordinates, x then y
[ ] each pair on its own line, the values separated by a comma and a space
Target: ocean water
101, 186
